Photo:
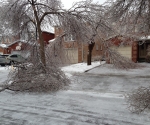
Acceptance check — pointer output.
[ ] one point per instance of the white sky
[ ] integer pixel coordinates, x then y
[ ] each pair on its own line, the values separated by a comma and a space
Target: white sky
68, 3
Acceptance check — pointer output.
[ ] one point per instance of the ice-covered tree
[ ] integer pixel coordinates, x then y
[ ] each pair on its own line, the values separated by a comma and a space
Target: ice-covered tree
85, 20
135, 16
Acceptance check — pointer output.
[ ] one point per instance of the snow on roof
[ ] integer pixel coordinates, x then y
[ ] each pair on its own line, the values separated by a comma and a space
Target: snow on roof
3, 45
23, 41
48, 32
48, 28
145, 38
17, 41
52, 40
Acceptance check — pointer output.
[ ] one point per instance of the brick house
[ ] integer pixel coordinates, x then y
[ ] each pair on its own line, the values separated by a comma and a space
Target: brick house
127, 47
14, 47
4, 49
78, 51
136, 50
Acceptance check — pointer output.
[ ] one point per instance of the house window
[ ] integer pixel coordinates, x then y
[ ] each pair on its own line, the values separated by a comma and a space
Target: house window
69, 38
97, 47
13, 56
101, 47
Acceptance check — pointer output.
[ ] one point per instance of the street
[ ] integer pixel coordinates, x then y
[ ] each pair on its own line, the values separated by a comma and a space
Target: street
92, 99
67, 108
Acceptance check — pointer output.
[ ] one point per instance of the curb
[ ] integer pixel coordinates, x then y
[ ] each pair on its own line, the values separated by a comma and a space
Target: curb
94, 67
91, 68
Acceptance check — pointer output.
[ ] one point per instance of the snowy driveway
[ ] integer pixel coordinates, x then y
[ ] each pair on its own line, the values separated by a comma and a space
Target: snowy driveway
94, 98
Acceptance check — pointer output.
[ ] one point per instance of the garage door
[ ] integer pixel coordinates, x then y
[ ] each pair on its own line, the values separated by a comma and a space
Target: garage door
71, 55
125, 51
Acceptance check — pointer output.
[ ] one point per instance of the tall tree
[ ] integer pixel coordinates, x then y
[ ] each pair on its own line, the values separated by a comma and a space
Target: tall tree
82, 20
31, 15
85, 20
135, 15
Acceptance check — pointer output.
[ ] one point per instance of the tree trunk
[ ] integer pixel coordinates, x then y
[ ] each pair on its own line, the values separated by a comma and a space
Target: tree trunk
89, 56
41, 41
42, 49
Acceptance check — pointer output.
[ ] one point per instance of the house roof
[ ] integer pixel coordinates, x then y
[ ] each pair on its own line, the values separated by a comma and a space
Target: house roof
48, 32
23, 41
48, 28
145, 38
3, 46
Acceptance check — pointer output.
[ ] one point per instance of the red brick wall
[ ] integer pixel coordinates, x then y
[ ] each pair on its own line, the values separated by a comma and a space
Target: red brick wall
134, 51
83, 50
82, 47
96, 52
5, 50
1, 50
13, 47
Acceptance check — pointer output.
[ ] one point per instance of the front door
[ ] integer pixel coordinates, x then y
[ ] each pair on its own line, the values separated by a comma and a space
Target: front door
143, 46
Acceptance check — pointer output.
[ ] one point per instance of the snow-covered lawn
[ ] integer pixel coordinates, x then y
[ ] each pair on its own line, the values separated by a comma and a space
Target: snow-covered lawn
81, 67
108, 69
85, 103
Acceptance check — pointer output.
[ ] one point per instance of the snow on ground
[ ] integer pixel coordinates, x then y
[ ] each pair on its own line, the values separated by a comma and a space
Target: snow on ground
90, 103
66, 108
4, 71
81, 67
108, 69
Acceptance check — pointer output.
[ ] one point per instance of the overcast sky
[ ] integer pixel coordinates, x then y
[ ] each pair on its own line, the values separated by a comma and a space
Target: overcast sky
67, 3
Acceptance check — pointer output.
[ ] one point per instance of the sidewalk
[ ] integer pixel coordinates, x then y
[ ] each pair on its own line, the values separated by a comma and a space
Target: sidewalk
81, 67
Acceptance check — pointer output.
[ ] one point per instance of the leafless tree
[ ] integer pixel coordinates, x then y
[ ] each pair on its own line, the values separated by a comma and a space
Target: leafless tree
86, 21
4, 30
134, 16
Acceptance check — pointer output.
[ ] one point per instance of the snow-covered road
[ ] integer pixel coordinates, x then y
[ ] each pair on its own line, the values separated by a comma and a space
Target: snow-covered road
4, 71
66, 108
85, 103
